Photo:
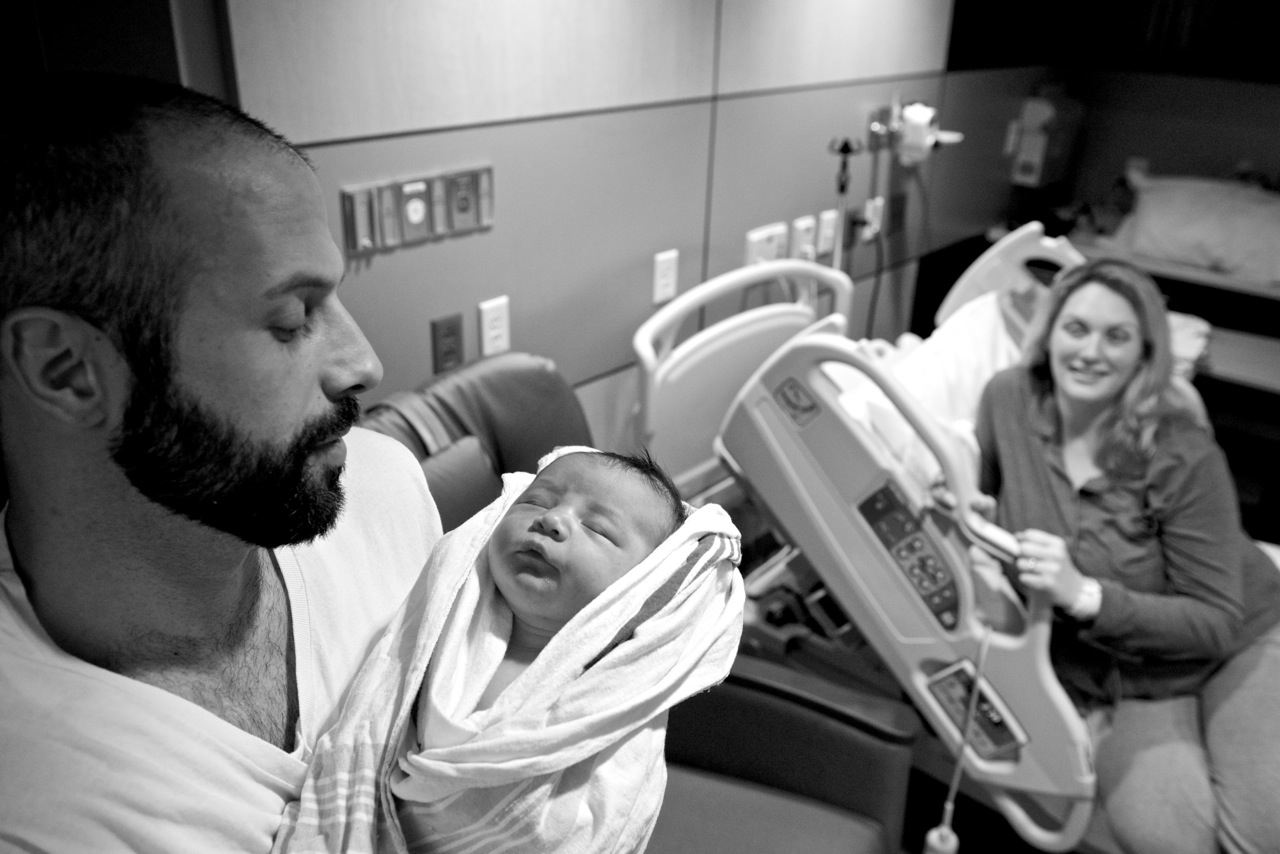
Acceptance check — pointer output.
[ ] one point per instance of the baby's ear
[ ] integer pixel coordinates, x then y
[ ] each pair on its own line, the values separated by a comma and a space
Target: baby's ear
63, 366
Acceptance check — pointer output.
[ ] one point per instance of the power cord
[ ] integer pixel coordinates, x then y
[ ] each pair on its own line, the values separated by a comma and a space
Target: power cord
942, 839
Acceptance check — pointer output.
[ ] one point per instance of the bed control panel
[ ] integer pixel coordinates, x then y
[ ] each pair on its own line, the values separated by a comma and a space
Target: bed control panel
899, 530
993, 733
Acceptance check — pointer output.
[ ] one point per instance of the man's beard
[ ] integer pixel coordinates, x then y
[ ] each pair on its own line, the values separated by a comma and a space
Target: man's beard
193, 462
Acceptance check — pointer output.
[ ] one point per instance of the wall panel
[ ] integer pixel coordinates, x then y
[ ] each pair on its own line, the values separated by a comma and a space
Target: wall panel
354, 68
772, 160
769, 44
969, 183
1182, 125
581, 206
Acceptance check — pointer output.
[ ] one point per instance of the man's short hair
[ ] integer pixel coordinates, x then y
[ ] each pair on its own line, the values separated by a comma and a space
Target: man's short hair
85, 220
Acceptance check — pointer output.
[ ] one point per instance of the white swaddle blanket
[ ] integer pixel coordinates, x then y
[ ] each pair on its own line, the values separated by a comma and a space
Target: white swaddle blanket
569, 757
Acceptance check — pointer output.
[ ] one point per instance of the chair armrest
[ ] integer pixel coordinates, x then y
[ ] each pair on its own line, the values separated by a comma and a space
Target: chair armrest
881, 716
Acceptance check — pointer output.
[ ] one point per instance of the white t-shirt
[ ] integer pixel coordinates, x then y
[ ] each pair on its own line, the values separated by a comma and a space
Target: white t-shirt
93, 761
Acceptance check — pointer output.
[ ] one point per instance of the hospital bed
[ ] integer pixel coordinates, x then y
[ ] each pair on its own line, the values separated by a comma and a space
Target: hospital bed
1211, 245
872, 586
689, 376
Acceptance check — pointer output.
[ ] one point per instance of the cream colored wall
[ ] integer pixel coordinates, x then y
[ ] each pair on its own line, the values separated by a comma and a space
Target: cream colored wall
616, 129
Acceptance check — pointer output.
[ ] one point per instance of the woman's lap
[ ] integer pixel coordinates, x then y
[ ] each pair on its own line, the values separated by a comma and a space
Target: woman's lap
1171, 771
1241, 708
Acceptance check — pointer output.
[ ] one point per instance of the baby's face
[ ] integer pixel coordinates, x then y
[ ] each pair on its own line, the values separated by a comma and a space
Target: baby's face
580, 525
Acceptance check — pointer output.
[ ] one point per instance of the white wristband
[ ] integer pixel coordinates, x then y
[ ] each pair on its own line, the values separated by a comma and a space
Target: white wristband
1088, 602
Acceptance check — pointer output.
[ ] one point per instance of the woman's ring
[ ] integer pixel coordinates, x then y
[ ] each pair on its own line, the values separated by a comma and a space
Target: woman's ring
1031, 564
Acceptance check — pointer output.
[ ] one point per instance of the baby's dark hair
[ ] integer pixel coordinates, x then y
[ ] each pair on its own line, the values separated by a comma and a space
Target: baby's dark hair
659, 481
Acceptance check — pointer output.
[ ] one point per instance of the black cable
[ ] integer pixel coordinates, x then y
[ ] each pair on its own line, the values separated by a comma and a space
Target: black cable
875, 285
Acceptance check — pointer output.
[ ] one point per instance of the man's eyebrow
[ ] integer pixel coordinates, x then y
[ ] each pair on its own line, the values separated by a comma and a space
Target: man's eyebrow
302, 282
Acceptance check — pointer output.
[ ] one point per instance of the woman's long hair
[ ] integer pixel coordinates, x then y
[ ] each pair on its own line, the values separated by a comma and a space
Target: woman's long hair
1128, 430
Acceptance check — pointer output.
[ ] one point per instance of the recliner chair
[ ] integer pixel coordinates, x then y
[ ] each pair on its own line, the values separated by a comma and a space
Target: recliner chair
469, 426
779, 760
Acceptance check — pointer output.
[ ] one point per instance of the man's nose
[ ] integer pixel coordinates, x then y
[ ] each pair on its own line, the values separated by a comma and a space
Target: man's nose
353, 365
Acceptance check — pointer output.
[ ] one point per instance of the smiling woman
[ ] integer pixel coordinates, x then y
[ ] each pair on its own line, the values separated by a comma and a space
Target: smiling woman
1167, 629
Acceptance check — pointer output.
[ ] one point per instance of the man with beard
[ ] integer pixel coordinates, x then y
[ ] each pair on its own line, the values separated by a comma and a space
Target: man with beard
199, 547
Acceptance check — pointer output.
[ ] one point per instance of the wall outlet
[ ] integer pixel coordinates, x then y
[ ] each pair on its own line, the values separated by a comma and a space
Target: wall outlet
828, 226
446, 343
495, 326
766, 243
666, 266
872, 217
803, 232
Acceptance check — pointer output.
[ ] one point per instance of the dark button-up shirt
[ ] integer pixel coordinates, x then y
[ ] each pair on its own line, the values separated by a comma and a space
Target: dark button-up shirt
1183, 587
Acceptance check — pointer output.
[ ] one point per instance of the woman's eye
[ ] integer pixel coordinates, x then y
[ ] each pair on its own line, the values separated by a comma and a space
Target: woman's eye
1120, 336
1074, 328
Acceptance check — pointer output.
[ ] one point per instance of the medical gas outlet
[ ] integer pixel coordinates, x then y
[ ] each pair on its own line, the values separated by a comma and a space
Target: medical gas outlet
383, 215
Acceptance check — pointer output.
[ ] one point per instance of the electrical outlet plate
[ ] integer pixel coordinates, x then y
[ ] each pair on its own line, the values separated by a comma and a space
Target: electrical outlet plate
495, 326
767, 243
873, 217
803, 231
665, 268
446, 343
828, 225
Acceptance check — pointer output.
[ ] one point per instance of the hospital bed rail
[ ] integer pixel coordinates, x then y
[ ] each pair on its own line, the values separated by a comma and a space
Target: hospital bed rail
894, 564
686, 384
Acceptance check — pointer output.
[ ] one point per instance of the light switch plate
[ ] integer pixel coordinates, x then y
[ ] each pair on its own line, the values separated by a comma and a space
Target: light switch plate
766, 243
495, 326
828, 225
803, 229
666, 266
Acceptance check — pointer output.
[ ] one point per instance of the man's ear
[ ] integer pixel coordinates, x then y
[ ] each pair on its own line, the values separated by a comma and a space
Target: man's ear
65, 366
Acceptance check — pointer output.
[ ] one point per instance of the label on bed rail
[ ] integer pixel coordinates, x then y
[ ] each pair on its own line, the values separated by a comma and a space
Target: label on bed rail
796, 401
993, 734
899, 531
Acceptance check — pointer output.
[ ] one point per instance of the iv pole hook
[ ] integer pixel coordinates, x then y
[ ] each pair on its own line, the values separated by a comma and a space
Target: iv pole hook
844, 147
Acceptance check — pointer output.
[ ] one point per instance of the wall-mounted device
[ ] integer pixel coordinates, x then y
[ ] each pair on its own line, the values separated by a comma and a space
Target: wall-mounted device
911, 131
387, 214
1041, 140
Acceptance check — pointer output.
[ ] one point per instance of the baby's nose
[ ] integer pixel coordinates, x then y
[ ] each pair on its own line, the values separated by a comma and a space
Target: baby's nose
554, 523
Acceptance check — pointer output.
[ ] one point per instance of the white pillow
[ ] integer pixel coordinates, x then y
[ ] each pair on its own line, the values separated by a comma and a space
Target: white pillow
1226, 226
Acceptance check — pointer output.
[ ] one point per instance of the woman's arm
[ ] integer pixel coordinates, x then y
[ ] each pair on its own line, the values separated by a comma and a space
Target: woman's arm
1201, 611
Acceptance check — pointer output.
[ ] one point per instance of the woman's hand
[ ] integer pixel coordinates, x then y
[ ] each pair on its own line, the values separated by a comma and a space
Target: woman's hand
1044, 564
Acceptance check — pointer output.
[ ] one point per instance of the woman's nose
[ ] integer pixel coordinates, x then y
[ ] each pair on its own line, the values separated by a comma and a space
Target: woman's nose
1091, 347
